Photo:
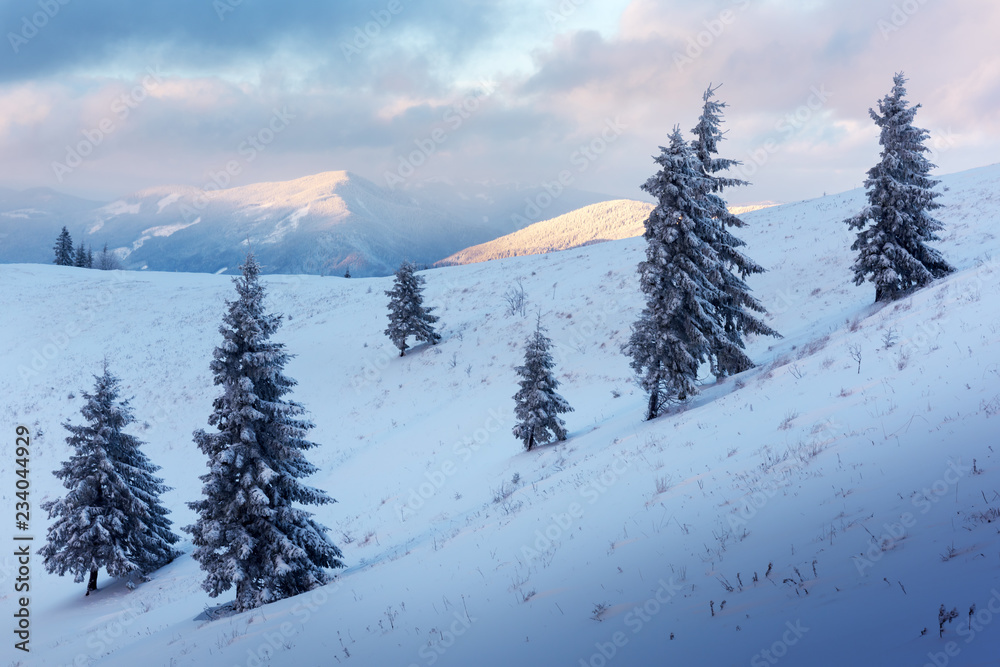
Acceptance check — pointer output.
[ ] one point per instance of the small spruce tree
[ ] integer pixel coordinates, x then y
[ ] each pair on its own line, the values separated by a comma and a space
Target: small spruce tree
63, 249
407, 314
249, 532
112, 516
896, 224
80, 258
536, 404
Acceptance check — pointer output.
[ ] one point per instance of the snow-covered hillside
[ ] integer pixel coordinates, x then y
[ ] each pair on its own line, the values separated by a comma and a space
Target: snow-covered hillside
319, 224
816, 510
606, 221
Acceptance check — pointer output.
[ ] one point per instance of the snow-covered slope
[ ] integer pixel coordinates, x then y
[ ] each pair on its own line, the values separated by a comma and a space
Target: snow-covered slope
319, 224
816, 510
605, 221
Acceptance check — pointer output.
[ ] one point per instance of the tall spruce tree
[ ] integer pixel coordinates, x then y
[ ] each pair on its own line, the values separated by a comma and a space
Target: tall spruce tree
112, 516
537, 406
249, 531
407, 315
896, 224
682, 277
736, 302
63, 249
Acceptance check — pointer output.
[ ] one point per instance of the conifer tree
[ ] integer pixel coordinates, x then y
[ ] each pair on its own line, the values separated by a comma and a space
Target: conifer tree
896, 223
80, 258
736, 301
682, 277
112, 516
63, 249
537, 405
407, 315
90, 257
249, 533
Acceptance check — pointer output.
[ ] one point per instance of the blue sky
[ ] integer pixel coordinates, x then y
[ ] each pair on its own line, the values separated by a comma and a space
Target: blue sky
102, 98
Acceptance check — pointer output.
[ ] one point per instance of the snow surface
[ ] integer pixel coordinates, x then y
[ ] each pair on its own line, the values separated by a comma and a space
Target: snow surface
614, 547
606, 221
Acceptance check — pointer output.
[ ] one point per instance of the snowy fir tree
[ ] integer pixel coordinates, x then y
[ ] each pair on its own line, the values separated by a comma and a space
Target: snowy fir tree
537, 406
63, 249
896, 224
250, 533
682, 277
407, 315
80, 257
112, 516
736, 302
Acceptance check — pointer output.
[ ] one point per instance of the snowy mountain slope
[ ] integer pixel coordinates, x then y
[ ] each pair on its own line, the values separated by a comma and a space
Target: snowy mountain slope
34, 217
605, 221
831, 507
319, 224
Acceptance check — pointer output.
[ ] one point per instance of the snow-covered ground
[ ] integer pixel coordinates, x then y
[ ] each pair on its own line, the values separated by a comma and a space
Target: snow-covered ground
816, 510
607, 221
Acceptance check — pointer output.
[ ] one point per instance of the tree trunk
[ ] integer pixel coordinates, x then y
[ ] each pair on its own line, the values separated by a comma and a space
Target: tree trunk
654, 404
531, 439
92, 584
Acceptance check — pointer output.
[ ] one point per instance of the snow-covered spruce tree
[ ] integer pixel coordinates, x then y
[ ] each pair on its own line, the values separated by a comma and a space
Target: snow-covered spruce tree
249, 531
736, 304
63, 249
112, 516
80, 257
896, 223
407, 315
537, 406
680, 327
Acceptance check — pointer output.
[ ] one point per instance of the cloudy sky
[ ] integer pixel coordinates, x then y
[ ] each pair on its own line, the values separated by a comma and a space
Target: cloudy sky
100, 98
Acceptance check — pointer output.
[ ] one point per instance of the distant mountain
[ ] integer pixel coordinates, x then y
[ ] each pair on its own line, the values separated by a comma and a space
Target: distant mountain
320, 224
31, 219
605, 221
